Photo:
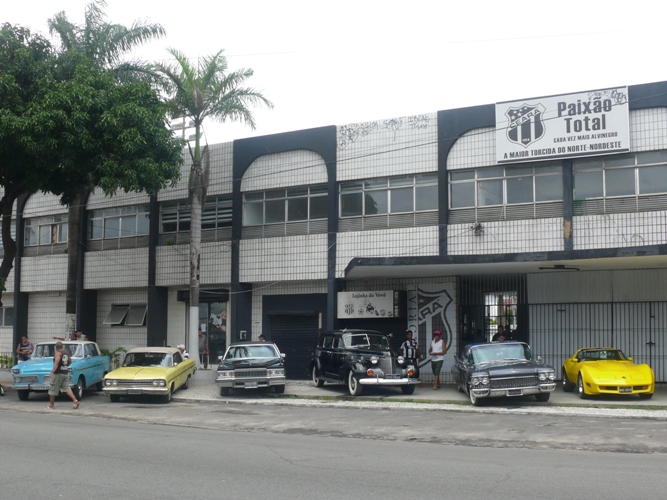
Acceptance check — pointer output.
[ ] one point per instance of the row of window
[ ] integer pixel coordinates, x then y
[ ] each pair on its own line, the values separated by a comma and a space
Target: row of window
594, 178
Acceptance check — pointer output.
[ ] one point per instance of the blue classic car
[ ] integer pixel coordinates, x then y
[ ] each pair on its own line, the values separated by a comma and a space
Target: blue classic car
88, 368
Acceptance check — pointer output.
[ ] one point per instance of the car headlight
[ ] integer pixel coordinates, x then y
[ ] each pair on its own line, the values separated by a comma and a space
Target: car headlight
484, 380
226, 374
542, 376
156, 383
16, 371
400, 360
475, 381
114, 382
277, 372
552, 376
374, 360
107, 382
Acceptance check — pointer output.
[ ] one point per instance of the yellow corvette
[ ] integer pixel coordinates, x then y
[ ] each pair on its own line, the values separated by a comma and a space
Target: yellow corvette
605, 370
155, 371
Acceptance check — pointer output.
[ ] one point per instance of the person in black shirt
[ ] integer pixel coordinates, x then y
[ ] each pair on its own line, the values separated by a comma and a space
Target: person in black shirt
410, 351
60, 377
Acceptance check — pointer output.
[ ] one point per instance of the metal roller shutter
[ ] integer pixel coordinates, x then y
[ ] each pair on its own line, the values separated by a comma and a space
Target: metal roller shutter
296, 336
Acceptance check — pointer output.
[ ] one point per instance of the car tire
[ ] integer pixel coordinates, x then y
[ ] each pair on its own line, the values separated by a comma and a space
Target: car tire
316, 380
567, 385
23, 395
78, 388
280, 389
581, 388
645, 396
167, 398
408, 389
2, 391
115, 398
353, 385
474, 400
543, 397
224, 391
186, 384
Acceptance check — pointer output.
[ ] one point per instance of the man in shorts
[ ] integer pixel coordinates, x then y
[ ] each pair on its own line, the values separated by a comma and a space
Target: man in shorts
60, 377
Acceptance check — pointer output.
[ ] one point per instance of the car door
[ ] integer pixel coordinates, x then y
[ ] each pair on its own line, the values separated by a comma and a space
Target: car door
325, 355
337, 357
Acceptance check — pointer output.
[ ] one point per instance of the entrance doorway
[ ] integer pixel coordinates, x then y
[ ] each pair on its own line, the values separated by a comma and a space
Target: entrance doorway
213, 322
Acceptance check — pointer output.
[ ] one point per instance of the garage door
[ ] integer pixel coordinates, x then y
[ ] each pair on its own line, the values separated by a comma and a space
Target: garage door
296, 336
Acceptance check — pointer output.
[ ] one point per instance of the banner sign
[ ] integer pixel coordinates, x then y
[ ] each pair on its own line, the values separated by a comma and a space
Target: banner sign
569, 125
372, 304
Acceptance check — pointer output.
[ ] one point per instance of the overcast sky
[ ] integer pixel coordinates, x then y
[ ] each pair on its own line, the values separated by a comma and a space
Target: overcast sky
335, 63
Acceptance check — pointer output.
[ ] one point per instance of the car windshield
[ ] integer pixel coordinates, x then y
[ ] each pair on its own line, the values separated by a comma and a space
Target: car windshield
492, 353
148, 359
251, 351
49, 350
366, 340
601, 355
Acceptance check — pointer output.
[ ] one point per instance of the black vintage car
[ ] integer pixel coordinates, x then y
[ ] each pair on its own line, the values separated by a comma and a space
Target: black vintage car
502, 369
251, 365
359, 358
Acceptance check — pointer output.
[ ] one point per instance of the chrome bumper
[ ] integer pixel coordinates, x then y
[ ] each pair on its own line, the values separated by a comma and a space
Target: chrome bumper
486, 392
249, 382
136, 391
388, 381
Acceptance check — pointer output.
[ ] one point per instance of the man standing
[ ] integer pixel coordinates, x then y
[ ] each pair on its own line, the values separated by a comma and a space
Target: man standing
60, 377
410, 351
24, 349
203, 349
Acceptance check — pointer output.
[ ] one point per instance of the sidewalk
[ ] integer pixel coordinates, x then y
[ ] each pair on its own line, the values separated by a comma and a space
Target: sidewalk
203, 388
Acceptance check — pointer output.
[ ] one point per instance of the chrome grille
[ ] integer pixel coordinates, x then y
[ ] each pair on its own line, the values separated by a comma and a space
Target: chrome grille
510, 383
250, 372
135, 382
387, 365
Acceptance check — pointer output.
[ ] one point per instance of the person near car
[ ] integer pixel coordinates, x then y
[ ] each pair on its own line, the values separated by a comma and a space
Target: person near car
499, 336
262, 338
24, 349
60, 377
410, 351
437, 351
184, 353
203, 349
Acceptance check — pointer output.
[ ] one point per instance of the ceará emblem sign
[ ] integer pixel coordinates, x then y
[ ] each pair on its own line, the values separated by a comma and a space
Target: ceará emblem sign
581, 124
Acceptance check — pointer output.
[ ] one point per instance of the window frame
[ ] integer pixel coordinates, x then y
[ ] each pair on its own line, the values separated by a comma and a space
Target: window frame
274, 197
56, 227
101, 219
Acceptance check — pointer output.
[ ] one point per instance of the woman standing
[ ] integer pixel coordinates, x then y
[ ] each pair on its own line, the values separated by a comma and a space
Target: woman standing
437, 350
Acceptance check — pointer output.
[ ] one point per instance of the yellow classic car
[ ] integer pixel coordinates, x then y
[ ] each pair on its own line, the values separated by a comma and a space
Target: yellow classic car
605, 370
155, 371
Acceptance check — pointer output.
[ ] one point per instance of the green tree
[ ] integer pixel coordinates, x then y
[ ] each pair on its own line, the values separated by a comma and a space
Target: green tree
197, 92
104, 45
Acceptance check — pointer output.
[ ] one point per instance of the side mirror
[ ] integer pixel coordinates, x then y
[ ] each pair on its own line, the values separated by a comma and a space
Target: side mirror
176, 364
282, 355
220, 358
539, 359
629, 358
88, 356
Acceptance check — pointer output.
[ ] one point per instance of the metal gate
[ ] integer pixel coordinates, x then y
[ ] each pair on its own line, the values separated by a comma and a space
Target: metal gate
296, 336
637, 328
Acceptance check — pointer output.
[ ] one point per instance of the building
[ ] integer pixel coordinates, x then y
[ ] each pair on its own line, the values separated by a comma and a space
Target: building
545, 214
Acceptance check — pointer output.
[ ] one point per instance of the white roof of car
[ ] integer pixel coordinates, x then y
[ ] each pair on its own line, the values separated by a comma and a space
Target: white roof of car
162, 350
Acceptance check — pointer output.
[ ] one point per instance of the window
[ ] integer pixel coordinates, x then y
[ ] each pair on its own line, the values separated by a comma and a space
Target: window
118, 222
46, 230
393, 195
298, 204
216, 213
508, 185
621, 175
126, 315
6, 316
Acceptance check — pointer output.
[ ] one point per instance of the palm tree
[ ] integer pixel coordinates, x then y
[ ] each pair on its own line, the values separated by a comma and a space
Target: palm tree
196, 93
105, 45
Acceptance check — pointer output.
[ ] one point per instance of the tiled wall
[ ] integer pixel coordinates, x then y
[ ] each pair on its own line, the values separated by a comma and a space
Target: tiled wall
476, 148
293, 168
534, 235
648, 129
40, 204
109, 337
384, 148
46, 316
98, 199
173, 264
293, 258
177, 321
619, 230
45, 273
7, 332
404, 242
116, 268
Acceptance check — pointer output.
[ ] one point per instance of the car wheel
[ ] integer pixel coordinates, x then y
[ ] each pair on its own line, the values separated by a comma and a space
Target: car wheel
567, 385
23, 395
78, 389
167, 397
224, 391
280, 389
2, 391
645, 396
353, 385
316, 381
186, 384
474, 400
543, 397
115, 398
581, 388
408, 389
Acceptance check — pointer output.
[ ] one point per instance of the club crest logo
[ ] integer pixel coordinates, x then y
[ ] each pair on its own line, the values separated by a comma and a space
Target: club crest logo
526, 124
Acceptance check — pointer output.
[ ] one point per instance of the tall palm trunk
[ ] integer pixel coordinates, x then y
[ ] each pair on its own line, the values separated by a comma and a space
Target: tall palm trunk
198, 183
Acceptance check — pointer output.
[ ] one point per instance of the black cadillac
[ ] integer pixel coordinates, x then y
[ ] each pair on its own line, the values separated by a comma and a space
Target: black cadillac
502, 369
359, 358
251, 365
